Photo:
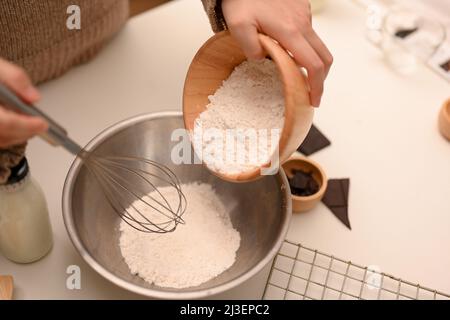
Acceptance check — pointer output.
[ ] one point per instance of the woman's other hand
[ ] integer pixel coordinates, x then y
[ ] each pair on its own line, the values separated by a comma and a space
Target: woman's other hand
17, 128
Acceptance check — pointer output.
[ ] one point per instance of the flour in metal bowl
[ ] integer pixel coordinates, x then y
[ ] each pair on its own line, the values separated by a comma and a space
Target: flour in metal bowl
197, 251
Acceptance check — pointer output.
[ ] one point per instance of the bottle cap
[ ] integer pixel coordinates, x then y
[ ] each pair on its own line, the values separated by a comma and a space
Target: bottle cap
19, 172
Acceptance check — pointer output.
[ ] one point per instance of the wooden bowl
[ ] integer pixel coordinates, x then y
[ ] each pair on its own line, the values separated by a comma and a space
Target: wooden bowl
6, 287
303, 204
444, 120
215, 61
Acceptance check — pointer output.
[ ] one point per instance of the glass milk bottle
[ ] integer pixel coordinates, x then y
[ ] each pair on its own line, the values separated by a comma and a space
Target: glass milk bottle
25, 230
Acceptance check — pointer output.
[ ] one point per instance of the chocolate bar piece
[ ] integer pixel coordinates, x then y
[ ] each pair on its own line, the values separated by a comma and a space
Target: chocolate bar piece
313, 142
336, 199
446, 66
303, 184
402, 34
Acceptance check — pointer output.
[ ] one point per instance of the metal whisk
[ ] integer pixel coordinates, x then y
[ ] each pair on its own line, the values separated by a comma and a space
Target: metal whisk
131, 185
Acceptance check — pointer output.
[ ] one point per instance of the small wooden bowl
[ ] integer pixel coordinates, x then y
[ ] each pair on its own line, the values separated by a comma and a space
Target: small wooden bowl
215, 61
444, 120
303, 204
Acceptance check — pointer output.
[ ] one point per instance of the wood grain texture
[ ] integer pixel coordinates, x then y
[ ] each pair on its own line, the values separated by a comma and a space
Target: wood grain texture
215, 61
444, 120
6, 287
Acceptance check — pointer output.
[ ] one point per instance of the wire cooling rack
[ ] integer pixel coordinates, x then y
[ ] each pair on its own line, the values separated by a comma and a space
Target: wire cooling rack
301, 273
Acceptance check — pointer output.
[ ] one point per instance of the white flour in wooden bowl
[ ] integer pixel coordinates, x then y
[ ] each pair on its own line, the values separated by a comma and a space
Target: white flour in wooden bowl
197, 251
241, 126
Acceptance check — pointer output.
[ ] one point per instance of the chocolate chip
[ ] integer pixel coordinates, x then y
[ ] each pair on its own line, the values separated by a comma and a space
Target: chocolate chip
303, 183
300, 180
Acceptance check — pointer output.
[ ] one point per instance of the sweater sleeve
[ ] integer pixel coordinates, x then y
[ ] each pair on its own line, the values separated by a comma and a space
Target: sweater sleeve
9, 158
213, 9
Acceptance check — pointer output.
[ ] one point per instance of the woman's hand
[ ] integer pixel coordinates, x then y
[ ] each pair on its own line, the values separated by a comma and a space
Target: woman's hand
288, 22
16, 128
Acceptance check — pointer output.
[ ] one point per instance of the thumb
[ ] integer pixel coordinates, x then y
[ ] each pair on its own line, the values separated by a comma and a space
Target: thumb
247, 37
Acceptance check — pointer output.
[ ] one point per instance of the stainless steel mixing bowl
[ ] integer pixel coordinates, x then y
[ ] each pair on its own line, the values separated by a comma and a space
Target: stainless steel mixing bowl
261, 210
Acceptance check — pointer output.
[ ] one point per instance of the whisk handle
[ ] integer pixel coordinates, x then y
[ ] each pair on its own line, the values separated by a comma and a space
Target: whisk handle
55, 135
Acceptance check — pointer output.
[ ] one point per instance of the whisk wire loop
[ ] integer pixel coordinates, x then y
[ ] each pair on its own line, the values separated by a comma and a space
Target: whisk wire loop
120, 177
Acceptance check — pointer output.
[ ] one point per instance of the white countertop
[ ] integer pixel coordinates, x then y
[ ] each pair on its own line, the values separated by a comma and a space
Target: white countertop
382, 127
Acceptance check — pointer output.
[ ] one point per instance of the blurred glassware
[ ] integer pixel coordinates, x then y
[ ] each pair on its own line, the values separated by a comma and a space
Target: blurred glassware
404, 36
317, 5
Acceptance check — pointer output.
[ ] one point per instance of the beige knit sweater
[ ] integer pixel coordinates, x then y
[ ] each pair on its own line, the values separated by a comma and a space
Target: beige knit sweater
34, 35
214, 10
